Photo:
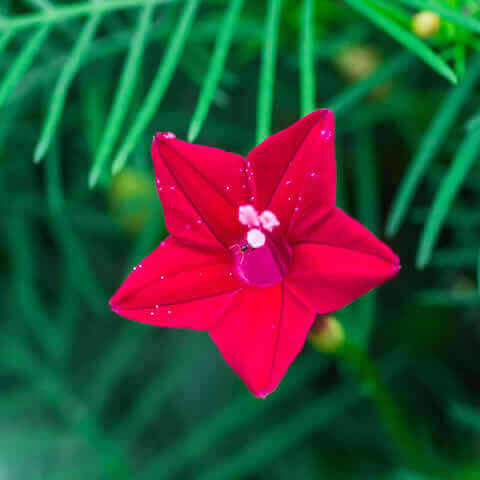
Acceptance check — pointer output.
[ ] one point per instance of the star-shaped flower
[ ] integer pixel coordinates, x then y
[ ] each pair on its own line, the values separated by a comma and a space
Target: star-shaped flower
256, 249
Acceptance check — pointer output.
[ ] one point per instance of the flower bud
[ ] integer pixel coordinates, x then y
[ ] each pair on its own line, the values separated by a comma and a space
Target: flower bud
327, 334
358, 61
131, 196
426, 24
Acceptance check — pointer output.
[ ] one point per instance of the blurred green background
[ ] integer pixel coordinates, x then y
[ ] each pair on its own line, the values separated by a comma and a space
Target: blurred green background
84, 86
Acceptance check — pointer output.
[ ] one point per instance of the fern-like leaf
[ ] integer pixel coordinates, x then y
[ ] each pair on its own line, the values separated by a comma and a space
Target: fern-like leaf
215, 69
429, 146
160, 83
406, 38
307, 58
22, 62
464, 158
267, 71
123, 96
67, 75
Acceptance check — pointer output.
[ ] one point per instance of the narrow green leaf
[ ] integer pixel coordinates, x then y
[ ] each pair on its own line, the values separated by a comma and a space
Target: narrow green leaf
22, 62
341, 197
54, 182
5, 37
67, 75
478, 272
466, 415
455, 16
111, 367
84, 279
215, 69
28, 301
67, 12
307, 58
127, 343
455, 258
367, 208
267, 71
406, 38
160, 83
153, 394
242, 412
448, 298
460, 217
124, 94
347, 98
311, 417
366, 190
55, 392
474, 122
464, 158
429, 146
47, 5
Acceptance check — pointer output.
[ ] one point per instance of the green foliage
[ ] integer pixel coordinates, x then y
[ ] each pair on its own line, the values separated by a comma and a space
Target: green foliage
267, 70
406, 38
84, 86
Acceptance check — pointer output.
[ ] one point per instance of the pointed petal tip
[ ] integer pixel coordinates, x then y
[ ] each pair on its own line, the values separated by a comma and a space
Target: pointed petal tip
262, 394
161, 137
113, 302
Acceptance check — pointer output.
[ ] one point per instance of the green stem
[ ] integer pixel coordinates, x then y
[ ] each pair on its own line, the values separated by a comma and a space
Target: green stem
395, 423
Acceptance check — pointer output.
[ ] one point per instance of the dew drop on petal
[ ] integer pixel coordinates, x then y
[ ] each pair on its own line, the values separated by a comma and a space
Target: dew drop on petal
326, 134
312, 174
162, 277
199, 221
227, 187
151, 313
156, 306
288, 182
169, 312
172, 187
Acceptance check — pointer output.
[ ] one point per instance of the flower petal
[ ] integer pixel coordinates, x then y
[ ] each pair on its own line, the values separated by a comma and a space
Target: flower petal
337, 229
200, 189
338, 260
293, 171
177, 286
261, 332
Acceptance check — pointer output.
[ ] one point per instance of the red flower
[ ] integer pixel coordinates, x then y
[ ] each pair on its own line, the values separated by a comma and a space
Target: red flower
257, 248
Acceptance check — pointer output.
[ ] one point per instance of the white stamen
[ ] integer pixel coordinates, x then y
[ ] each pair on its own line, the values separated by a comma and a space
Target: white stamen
269, 220
256, 238
247, 215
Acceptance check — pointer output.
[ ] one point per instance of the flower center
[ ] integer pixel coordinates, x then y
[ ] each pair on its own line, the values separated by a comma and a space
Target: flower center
265, 265
261, 257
